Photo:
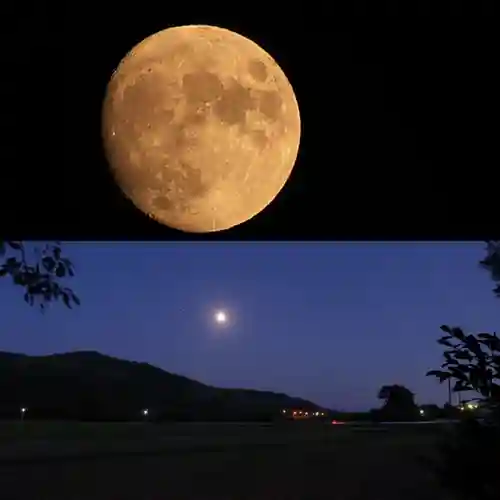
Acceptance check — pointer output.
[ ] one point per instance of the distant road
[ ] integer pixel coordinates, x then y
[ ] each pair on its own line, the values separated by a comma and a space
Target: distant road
422, 422
419, 422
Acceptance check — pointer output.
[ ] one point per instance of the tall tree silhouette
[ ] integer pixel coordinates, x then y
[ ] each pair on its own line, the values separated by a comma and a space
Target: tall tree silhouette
399, 403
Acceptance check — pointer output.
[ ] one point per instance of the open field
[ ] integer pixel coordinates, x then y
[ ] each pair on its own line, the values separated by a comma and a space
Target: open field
215, 461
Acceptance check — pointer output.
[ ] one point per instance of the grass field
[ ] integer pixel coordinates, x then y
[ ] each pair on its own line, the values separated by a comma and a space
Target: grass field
215, 461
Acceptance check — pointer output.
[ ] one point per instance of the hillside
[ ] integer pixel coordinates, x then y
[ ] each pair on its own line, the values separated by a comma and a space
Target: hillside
87, 385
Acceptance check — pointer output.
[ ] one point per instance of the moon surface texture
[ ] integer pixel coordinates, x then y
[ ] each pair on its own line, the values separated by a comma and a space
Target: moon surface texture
201, 128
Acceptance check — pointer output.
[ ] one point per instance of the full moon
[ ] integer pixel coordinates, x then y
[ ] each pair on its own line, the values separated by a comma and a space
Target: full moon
201, 128
220, 317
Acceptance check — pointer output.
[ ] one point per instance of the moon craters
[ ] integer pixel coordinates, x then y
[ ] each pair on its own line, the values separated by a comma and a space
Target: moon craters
259, 138
183, 183
141, 97
269, 104
201, 128
201, 87
230, 100
235, 102
257, 70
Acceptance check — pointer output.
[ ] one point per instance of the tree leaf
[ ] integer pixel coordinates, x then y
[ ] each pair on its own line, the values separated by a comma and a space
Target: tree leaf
444, 341
448, 356
66, 300
48, 263
12, 263
487, 336
442, 376
463, 354
472, 343
492, 343
458, 333
461, 386
60, 270
16, 245
458, 372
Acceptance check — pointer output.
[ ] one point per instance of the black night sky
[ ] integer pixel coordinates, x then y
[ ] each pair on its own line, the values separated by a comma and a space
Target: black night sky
394, 101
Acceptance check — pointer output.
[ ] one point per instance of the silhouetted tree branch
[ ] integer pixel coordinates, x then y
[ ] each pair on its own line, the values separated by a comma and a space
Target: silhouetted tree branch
42, 279
472, 361
491, 263
470, 457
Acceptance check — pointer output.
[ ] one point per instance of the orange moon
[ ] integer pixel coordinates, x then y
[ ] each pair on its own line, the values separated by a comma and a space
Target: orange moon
201, 128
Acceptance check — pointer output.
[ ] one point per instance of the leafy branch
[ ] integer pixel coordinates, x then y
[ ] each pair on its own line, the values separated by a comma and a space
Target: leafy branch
491, 263
468, 456
473, 361
41, 280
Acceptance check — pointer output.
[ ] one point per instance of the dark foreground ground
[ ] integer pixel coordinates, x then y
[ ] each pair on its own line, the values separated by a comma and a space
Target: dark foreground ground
54, 461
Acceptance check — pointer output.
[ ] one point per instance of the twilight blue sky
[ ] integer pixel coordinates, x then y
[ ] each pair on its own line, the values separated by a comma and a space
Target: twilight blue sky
330, 322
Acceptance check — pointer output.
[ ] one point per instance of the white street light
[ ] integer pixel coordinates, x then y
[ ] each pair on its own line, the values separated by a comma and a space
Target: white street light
23, 411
